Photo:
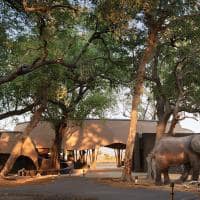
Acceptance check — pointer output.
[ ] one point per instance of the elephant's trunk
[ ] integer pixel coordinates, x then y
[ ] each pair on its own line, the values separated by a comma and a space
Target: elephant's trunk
151, 166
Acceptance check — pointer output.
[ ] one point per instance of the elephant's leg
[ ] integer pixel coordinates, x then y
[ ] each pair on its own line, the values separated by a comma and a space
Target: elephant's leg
184, 176
166, 177
158, 177
195, 172
195, 164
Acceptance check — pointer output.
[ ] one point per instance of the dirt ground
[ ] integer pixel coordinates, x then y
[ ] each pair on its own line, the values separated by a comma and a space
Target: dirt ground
9, 189
7, 196
12, 182
185, 187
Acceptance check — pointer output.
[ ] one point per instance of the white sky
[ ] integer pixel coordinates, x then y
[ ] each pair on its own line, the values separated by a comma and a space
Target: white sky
191, 124
122, 105
188, 123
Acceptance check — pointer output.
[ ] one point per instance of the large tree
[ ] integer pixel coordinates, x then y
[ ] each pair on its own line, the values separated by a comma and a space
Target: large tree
154, 18
77, 76
158, 17
174, 80
174, 73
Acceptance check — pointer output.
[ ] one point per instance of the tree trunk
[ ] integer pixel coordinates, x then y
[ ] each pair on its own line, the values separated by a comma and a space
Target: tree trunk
176, 116
174, 121
55, 158
162, 125
17, 149
57, 146
138, 91
163, 115
151, 167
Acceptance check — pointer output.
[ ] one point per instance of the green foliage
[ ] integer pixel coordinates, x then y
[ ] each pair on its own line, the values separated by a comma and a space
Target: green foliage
15, 95
94, 105
178, 53
110, 60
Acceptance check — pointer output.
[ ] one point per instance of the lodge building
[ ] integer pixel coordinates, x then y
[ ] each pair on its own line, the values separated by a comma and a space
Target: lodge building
84, 139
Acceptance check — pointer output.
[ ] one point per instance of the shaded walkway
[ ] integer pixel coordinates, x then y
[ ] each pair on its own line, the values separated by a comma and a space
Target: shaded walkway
85, 187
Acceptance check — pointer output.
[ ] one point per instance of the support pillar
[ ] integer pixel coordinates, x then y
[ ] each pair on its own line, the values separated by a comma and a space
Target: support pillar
94, 157
118, 157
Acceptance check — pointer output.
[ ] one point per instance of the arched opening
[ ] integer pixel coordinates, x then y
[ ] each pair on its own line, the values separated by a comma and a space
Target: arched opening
111, 156
23, 162
119, 149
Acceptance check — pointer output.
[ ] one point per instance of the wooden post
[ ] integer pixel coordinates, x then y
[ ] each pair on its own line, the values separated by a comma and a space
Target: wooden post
121, 157
75, 155
94, 157
172, 190
118, 158
86, 159
90, 156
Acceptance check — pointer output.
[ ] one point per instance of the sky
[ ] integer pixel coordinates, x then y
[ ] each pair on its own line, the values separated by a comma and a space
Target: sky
123, 105
191, 124
117, 113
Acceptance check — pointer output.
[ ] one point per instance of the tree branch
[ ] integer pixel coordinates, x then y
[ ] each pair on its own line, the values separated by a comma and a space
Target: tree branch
178, 77
94, 36
27, 68
44, 8
18, 112
74, 101
188, 117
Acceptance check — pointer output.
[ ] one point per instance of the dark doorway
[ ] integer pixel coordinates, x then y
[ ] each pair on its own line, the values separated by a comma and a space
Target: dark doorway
23, 162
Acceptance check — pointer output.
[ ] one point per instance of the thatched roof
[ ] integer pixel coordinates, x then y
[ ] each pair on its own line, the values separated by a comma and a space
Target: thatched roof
8, 140
87, 135
43, 135
94, 133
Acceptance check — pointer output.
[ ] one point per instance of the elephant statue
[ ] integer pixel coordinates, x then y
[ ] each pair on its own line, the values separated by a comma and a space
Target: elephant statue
173, 151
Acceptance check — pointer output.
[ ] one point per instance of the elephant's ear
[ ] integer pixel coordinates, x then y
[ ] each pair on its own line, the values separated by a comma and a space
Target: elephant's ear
195, 143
